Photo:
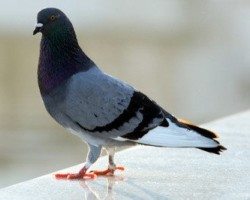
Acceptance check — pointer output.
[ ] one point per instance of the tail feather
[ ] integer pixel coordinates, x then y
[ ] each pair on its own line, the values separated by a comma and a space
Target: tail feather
216, 150
177, 134
201, 131
205, 133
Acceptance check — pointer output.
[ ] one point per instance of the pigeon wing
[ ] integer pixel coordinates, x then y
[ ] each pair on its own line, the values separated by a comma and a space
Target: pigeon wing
101, 104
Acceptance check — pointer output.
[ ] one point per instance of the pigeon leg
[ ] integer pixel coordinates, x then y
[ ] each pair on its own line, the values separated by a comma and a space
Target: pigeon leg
111, 167
93, 155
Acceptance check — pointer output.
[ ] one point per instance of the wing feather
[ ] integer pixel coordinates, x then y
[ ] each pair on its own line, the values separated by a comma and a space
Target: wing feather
99, 103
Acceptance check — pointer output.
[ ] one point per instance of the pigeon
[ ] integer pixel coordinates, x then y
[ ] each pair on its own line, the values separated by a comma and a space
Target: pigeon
102, 110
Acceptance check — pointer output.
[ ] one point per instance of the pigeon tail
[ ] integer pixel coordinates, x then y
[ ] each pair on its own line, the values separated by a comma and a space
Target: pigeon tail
180, 134
205, 133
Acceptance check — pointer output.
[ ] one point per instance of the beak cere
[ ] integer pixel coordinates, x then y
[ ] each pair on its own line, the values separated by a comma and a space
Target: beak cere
38, 28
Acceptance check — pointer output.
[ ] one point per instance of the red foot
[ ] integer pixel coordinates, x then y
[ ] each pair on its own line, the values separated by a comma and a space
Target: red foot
71, 176
107, 172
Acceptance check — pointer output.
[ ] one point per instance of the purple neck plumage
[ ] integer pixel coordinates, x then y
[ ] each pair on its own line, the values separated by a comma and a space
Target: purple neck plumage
60, 58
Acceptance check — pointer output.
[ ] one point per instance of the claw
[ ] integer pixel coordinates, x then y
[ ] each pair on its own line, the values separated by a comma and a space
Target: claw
72, 176
92, 175
107, 172
121, 168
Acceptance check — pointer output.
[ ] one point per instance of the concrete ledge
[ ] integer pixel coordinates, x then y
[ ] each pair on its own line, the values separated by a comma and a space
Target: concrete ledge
160, 173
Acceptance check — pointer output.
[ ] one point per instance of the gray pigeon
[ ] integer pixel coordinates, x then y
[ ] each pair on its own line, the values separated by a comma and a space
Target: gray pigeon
103, 111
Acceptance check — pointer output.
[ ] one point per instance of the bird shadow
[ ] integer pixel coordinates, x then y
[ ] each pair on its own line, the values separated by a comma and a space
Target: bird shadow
116, 187
94, 192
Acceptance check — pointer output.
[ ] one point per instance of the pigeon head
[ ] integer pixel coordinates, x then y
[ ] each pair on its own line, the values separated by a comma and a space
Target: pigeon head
52, 21
60, 53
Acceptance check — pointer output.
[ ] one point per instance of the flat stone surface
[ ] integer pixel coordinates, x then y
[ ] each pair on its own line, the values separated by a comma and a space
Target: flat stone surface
160, 173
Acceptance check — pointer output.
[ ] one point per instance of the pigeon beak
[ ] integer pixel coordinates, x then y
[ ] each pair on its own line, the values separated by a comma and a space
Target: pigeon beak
38, 28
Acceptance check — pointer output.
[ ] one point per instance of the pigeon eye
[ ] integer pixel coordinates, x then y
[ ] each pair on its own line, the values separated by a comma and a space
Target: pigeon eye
52, 17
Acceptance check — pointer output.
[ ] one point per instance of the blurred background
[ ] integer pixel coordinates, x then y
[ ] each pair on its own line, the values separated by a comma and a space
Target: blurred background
191, 56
